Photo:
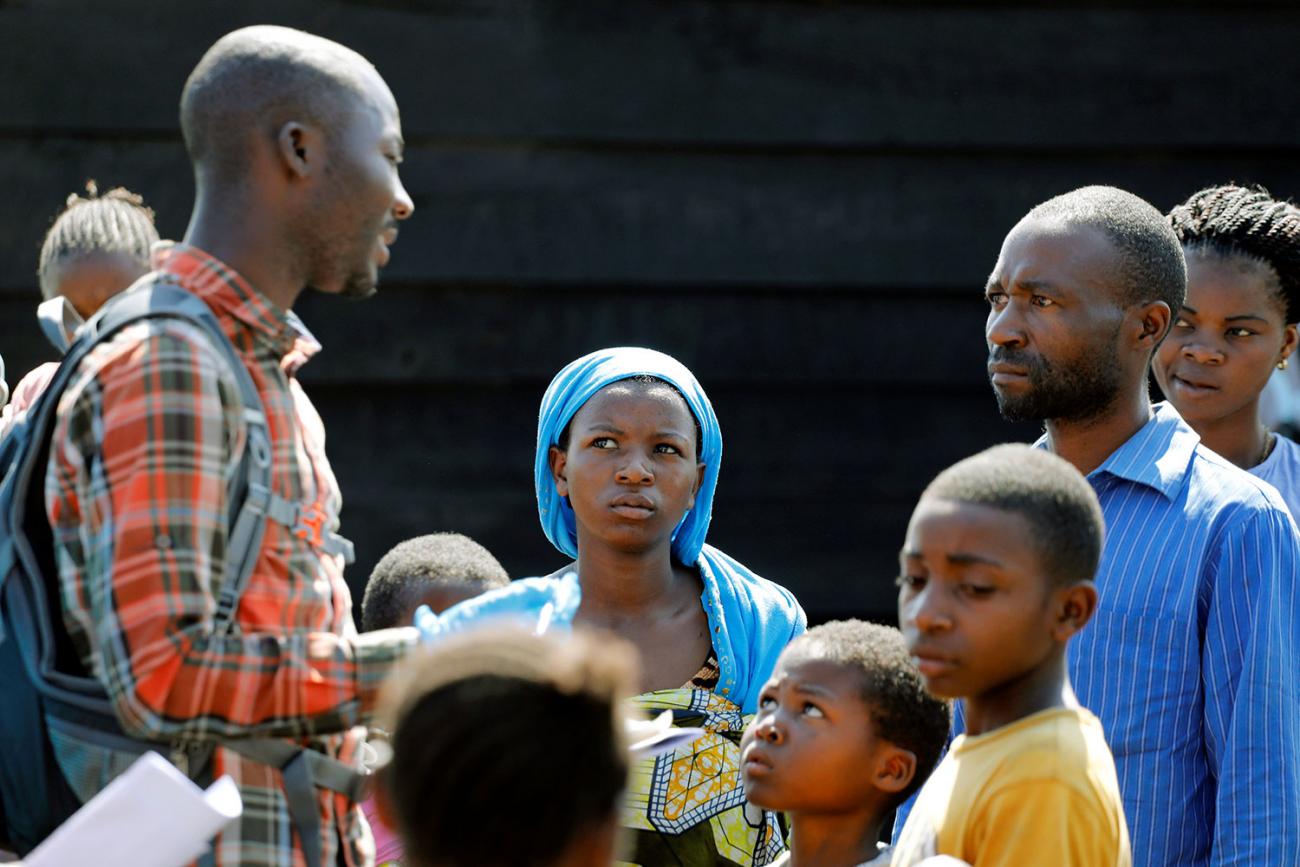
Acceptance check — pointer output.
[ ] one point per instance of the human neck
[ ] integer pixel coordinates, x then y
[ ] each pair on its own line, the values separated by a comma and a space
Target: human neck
1088, 442
1239, 437
617, 584
1043, 688
839, 840
243, 237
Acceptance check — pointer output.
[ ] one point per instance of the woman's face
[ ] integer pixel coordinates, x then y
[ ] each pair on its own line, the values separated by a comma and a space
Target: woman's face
1226, 341
630, 470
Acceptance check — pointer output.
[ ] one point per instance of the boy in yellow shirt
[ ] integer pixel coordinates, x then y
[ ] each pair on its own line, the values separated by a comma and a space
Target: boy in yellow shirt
997, 573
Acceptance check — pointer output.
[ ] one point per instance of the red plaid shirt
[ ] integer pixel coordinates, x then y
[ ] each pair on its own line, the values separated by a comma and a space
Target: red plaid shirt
149, 436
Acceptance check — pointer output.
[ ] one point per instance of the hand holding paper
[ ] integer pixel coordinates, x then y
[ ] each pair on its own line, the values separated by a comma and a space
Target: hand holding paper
150, 816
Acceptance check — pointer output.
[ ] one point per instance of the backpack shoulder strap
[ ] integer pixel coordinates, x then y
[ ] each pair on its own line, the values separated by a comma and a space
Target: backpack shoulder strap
250, 495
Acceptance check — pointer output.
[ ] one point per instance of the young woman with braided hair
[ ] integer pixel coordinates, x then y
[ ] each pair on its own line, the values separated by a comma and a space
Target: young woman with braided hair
1237, 326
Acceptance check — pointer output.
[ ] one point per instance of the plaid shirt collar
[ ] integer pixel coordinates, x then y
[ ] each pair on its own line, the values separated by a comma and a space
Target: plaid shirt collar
230, 295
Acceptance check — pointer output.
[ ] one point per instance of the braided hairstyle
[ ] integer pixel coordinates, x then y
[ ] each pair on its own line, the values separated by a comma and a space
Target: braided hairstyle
113, 222
1246, 221
507, 747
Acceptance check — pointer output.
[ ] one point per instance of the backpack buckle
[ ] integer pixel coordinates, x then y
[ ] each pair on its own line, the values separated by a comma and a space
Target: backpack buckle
310, 525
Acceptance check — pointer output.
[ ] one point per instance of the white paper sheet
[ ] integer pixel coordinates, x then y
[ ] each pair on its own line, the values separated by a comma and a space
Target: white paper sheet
150, 816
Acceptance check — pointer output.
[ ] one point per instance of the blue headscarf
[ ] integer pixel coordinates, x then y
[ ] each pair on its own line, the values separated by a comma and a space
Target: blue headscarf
572, 388
751, 619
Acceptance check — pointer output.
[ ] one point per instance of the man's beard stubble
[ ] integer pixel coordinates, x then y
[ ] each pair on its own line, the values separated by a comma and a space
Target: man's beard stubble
1077, 392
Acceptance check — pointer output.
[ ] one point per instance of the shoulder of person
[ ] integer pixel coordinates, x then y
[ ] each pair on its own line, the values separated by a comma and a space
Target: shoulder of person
1227, 493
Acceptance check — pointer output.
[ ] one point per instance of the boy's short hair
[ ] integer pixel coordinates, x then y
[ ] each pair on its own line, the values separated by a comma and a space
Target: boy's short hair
902, 711
1047, 491
113, 222
403, 574
506, 746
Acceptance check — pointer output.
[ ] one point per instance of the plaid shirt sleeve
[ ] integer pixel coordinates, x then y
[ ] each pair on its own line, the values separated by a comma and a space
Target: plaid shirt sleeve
148, 439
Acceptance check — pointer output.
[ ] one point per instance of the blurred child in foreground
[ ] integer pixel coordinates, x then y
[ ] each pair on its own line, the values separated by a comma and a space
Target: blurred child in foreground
508, 750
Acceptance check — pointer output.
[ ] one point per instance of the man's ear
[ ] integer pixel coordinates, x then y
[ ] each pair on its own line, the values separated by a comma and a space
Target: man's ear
1154, 319
895, 768
299, 149
1075, 607
558, 461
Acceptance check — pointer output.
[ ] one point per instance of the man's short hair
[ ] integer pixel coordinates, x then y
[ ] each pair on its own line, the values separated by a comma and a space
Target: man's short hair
1055, 500
256, 79
1151, 263
507, 747
903, 713
403, 575
116, 221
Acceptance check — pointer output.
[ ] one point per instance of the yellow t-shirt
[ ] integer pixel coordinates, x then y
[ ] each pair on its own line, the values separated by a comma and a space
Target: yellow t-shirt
1041, 790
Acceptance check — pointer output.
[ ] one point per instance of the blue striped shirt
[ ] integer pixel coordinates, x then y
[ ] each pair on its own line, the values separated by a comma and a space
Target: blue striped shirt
1191, 660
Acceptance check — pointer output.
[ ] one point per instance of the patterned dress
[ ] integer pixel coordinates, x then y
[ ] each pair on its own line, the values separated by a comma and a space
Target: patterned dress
688, 807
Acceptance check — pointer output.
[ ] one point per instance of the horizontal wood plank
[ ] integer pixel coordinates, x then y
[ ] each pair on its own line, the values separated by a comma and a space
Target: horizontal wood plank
750, 74
574, 217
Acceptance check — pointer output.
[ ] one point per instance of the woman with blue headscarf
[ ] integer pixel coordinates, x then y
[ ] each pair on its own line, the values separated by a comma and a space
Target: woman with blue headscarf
628, 453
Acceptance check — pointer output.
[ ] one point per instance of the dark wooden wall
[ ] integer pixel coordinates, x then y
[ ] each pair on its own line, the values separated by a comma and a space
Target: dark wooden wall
800, 200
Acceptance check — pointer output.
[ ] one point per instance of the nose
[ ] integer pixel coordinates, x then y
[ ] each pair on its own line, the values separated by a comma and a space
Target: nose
766, 730
1005, 327
1203, 353
926, 611
637, 470
403, 207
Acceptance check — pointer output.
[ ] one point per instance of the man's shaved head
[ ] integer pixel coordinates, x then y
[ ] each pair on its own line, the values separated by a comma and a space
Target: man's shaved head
253, 81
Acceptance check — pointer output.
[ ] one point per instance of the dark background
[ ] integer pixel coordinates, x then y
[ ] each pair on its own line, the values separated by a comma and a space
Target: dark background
801, 200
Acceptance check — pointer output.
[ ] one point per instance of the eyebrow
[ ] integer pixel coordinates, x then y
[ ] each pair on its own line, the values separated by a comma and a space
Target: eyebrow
603, 427
1252, 316
813, 689
1032, 285
960, 558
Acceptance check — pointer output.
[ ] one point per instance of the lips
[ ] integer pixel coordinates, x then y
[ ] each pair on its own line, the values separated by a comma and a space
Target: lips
1193, 386
932, 663
1000, 371
636, 506
755, 763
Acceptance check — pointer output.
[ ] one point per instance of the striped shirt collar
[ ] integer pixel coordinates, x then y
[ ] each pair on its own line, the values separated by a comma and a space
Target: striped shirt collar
1157, 456
227, 292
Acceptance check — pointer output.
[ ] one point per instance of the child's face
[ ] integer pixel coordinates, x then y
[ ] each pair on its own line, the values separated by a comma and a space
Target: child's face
812, 727
90, 281
973, 603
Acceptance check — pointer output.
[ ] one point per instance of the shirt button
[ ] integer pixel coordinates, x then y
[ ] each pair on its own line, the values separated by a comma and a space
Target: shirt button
162, 540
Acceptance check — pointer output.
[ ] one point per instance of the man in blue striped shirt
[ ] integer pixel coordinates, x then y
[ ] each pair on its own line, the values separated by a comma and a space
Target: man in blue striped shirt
1192, 661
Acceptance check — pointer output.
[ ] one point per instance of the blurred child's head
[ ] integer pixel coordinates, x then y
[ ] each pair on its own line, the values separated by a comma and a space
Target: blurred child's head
437, 570
844, 723
508, 749
97, 246
997, 569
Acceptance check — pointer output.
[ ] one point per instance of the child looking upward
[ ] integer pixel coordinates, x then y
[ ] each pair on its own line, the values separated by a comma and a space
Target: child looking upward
997, 575
845, 732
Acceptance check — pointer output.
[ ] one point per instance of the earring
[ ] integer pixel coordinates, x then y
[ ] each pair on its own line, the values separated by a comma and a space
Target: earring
1281, 365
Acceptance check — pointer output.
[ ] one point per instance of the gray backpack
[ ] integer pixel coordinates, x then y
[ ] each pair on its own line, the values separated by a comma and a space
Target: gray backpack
44, 684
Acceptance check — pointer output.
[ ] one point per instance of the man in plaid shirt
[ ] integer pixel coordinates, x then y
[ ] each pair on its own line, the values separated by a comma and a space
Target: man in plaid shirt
295, 142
